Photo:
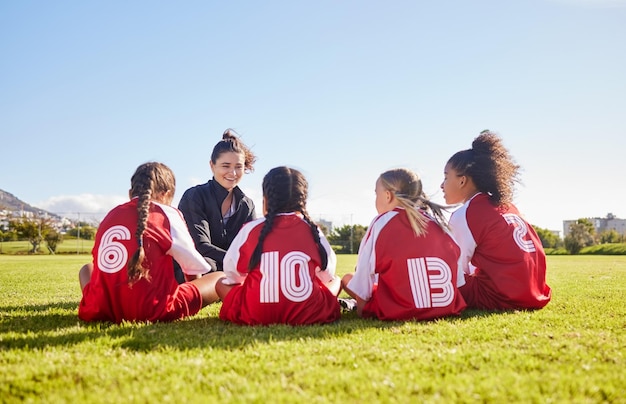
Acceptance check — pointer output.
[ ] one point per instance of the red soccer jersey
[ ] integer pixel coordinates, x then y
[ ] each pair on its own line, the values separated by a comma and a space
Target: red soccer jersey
403, 276
502, 257
287, 287
108, 297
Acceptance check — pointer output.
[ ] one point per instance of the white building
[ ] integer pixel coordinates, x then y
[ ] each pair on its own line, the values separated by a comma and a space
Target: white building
600, 224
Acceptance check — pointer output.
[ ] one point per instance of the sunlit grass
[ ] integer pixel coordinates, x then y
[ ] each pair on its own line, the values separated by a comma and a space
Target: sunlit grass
68, 246
571, 351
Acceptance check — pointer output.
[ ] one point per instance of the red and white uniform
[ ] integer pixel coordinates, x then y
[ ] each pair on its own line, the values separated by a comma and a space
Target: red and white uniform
501, 255
108, 297
287, 287
403, 276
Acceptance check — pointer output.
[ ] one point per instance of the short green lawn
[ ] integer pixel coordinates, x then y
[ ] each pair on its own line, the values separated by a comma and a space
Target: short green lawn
70, 246
571, 351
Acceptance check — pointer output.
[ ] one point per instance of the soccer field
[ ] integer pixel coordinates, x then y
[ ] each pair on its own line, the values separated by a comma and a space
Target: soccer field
571, 351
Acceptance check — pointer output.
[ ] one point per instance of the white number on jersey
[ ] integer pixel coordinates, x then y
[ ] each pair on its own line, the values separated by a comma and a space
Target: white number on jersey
112, 255
290, 276
434, 289
521, 230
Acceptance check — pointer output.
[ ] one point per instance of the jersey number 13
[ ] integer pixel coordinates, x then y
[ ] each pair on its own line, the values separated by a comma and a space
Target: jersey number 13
431, 282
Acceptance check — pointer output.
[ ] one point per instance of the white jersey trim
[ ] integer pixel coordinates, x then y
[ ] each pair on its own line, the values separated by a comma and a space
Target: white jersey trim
183, 249
365, 276
233, 276
463, 237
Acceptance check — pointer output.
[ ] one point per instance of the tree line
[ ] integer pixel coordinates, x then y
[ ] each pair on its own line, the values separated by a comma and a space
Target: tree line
344, 240
40, 230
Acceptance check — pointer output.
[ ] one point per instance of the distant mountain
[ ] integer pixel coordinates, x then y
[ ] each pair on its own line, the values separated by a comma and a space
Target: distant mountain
10, 202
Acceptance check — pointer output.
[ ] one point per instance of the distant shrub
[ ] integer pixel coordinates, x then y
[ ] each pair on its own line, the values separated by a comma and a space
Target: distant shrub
605, 249
556, 251
600, 249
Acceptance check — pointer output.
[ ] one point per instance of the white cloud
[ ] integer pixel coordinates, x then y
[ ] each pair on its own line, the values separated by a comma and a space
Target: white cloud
88, 207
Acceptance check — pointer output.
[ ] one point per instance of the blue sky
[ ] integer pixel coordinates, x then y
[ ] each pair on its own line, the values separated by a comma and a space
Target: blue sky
342, 90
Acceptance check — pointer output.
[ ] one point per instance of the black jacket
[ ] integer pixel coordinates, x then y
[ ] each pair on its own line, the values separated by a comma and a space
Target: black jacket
202, 208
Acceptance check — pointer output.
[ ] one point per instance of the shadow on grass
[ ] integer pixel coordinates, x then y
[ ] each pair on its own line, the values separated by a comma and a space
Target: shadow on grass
57, 324
37, 317
216, 334
38, 326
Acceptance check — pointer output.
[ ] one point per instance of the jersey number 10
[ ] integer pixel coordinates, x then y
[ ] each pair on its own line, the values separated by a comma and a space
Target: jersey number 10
290, 276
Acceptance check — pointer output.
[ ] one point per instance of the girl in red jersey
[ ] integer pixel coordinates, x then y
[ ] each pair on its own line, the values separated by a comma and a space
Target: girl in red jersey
132, 274
407, 267
502, 256
280, 268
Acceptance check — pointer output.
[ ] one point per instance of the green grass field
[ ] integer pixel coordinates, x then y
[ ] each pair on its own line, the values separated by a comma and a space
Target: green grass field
73, 246
571, 351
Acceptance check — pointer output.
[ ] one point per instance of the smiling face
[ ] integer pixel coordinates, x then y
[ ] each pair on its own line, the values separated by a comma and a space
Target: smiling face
228, 169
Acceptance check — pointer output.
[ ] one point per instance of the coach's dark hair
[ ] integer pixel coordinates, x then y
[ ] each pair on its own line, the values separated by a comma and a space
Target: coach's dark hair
148, 181
232, 143
491, 167
285, 190
407, 188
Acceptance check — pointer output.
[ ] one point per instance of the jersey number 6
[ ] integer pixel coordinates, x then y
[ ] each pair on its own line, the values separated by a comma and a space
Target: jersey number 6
112, 255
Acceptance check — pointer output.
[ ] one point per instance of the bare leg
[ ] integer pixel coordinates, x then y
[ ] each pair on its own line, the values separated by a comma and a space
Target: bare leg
360, 303
223, 289
206, 285
334, 286
344, 282
84, 275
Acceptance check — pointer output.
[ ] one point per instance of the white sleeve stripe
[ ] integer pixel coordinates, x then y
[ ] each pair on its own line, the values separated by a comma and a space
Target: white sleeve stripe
365, 275
463, 236
183, 250
233, 276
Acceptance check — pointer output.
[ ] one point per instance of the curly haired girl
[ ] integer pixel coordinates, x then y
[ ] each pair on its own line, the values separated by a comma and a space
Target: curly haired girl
501, 254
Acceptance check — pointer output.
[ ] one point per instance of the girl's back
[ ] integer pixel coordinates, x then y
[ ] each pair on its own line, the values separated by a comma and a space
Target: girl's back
508, 255
109, 296
417, 275
284, 287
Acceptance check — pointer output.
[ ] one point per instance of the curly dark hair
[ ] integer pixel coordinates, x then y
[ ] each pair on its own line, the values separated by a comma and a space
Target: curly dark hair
489, 164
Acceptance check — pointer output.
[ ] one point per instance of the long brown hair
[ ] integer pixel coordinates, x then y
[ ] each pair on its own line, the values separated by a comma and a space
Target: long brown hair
148, 181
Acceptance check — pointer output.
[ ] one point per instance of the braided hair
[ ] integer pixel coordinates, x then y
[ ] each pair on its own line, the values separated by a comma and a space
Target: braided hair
490, 166
232, 143
407, 188
285, 190
148, 181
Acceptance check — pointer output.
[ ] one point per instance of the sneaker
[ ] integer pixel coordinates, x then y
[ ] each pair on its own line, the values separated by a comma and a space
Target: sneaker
347, 304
